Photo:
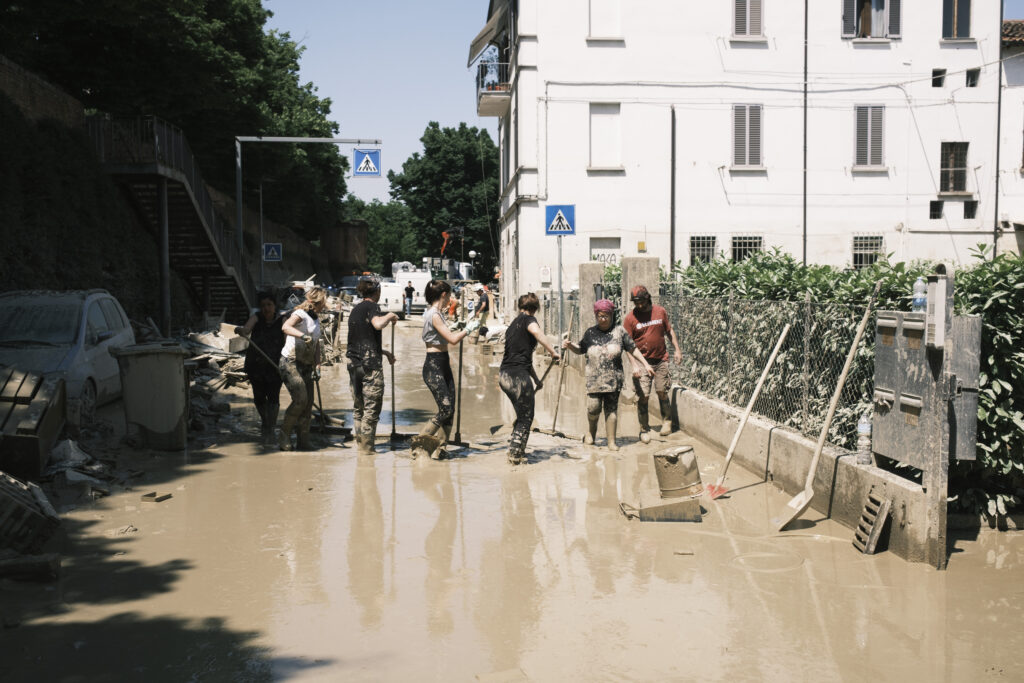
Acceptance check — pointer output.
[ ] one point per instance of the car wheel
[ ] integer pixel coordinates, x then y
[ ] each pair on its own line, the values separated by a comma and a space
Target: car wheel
88, 401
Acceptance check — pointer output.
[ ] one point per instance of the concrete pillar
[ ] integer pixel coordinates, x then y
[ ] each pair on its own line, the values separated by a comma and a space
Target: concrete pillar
165, 261
639, 270
591, 273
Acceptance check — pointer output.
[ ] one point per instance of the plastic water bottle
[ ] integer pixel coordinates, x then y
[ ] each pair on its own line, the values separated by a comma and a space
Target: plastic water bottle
920, 296
864, 439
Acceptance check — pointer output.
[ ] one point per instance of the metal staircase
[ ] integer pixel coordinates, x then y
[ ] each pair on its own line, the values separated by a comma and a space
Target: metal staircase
142, 154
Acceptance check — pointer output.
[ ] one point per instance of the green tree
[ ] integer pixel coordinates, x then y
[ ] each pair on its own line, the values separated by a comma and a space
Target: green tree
389, 238
207, 66
452, 185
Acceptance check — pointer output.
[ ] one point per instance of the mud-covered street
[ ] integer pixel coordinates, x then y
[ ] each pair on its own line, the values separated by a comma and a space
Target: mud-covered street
331, 566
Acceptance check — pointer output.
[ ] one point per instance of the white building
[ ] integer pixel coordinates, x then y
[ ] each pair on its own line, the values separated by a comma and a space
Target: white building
679, 129
1011, 154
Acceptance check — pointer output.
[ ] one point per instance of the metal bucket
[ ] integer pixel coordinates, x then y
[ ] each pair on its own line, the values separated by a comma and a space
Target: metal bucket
678, 474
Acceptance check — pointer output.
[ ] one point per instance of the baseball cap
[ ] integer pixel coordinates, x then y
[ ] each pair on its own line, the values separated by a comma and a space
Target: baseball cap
639, 292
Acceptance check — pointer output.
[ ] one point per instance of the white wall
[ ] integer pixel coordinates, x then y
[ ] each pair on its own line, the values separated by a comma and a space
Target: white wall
1011, 162
672, 56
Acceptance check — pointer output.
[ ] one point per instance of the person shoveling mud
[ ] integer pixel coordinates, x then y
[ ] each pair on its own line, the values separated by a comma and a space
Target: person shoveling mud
300, 359
266, 339
603, 344
365, 363
517, 376
437, 370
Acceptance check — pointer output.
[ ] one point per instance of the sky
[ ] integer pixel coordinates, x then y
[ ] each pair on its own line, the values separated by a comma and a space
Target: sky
391, 66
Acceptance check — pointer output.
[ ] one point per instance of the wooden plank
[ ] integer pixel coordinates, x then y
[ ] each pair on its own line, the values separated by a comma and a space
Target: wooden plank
10, 389
5, 374
5, 411
28, 388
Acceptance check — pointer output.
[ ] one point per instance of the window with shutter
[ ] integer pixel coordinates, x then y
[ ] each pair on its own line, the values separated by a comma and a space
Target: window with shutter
956, 19
872, 18
868, 143
746, 135
953, 172
747, 18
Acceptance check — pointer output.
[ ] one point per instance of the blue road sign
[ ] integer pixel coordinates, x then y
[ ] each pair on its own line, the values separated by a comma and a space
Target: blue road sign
560, 219
272, 251
366, 162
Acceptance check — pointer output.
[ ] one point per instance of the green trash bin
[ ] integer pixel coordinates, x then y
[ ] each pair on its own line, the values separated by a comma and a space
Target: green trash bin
155, 392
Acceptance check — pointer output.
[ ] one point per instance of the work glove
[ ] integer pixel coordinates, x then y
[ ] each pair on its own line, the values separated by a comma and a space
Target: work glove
307, 339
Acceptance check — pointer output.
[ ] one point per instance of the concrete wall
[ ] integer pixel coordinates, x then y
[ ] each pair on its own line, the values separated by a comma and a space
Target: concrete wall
669, 57
784, 457
37, 98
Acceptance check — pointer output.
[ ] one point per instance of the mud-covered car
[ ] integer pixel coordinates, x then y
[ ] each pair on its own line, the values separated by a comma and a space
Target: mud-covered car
70, 333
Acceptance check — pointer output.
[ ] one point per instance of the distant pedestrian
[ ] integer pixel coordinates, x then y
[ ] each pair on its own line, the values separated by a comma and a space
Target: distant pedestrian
410, 292
300, 367
437, 367
263, 329
517, 376
603, 344
483, 305
648, 324
365, 363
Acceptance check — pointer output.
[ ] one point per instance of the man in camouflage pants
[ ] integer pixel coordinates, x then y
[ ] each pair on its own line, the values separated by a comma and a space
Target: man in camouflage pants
365, 365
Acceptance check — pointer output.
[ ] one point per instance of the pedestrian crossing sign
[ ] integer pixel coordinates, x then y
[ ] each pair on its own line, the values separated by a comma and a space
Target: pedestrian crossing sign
560, 219
272, 251
366, 162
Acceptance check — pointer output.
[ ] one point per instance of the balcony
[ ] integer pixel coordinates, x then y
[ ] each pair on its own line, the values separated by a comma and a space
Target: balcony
493, 90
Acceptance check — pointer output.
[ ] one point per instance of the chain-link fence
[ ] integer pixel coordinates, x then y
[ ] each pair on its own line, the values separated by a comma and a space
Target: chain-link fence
726, 343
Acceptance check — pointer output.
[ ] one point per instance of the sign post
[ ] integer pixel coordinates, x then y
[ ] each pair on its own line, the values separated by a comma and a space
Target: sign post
559, 220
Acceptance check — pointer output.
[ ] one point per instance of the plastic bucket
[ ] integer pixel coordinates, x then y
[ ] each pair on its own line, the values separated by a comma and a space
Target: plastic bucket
155, 391
677, 471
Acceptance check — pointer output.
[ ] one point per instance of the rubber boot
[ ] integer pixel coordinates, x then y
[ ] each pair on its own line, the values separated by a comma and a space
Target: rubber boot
666, 416
284, 439
262, 412
588, 438
440, 452
271, 423
643, 414
304, 443
610, 425
418, 450
365, 444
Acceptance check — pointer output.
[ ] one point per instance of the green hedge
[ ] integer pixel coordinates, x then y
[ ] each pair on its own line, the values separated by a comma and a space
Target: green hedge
991, 288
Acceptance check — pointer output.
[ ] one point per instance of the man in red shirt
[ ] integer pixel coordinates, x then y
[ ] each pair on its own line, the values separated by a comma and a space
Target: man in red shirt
648, 324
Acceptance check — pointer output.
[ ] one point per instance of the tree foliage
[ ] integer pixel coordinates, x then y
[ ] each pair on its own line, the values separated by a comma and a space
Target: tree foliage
390, 238
207, 66
453, 184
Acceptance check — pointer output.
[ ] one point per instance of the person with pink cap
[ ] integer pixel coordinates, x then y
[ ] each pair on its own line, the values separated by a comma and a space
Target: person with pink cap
603, 344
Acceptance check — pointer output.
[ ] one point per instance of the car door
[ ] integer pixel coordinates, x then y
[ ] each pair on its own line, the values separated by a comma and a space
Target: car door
102, 366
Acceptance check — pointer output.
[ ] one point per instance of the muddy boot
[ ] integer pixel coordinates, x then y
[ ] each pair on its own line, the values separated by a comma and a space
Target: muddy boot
588, 438
284, 439
262, 412
440, 453
610, 424
643, 415
304, 442
271, 423
666, 416
425, 442
365, 444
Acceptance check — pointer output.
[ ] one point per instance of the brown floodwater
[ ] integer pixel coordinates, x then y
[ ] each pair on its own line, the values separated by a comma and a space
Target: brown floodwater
330, 566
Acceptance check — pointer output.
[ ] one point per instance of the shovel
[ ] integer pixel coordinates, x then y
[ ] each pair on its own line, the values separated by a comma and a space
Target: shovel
802, 500
561, 381
717, 489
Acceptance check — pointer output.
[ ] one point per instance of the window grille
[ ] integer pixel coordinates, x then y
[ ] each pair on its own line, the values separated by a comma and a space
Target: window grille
702, 249
866, 250
747, 18
956, 18
935, 209
868, 142
971, 209
746, 246
746, 130
953, 174
872, 18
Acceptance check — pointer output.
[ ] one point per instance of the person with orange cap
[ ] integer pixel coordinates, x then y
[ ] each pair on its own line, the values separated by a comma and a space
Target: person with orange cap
603, 344
648, 324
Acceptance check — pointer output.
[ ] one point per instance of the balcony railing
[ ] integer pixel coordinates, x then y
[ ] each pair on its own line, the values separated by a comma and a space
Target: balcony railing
493, 88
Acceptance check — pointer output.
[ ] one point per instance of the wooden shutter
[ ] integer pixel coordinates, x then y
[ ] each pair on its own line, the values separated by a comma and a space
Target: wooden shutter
754, 24
739, 26
739, 135
849, 19
861, 144
963, 18
875, 149
948, 10
895, 8
754, 134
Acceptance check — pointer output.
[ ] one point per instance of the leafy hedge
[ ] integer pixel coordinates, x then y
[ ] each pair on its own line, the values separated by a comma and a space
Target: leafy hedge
991, 288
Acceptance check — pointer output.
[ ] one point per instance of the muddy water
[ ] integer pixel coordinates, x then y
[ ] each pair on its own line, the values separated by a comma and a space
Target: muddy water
330, 566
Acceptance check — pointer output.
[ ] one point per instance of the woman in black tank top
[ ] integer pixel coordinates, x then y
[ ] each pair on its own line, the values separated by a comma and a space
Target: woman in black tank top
517, 377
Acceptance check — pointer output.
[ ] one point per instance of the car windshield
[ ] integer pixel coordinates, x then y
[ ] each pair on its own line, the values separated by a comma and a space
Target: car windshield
38, 321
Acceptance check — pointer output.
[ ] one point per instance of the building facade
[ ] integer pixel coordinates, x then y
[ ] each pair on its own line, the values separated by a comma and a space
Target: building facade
686, 134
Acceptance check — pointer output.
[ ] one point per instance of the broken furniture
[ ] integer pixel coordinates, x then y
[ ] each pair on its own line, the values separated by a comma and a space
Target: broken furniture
27, 520
32, 410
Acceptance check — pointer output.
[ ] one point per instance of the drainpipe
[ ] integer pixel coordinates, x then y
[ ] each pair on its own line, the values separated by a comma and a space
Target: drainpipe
805, 136
999, 125
672, 200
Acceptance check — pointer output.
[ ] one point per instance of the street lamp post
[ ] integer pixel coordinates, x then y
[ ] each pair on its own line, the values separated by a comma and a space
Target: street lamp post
472, 262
